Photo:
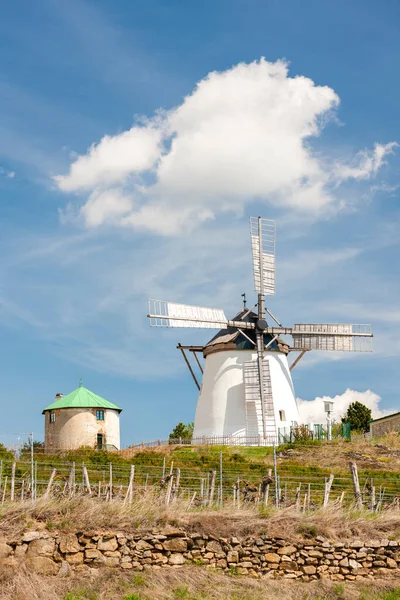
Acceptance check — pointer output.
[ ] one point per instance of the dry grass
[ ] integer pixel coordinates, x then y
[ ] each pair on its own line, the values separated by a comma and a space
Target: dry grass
83, 513
190, 583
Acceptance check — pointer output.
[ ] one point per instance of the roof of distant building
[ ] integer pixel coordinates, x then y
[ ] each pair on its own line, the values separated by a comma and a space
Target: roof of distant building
82, 398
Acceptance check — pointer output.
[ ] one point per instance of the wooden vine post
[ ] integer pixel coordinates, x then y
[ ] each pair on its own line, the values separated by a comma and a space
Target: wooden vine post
356, 485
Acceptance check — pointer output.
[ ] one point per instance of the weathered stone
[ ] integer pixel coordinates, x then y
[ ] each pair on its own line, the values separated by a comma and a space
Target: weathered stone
288, 566
74, 559
42, 547
344, 562
235, 541
176, 559
214, 546
379, 563
110, 544
65, 569
288, 550
20, 551
309, 569
315, 554
92, 553
392, 564
29, 536
69, 544
233, 556
272, 557
353, 564
5, 550
114, 553
42, 565
111, 561
172, 532
178, 544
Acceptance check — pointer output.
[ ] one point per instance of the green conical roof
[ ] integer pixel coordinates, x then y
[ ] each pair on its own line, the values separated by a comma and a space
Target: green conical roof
81, 398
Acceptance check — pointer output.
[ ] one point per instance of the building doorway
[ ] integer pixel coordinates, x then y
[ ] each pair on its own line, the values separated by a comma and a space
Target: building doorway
100, 441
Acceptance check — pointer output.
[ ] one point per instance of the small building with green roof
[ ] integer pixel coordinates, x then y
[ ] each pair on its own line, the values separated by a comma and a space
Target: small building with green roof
82, 418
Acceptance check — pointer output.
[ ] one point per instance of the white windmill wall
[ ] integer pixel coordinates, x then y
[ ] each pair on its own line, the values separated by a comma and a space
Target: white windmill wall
221, 404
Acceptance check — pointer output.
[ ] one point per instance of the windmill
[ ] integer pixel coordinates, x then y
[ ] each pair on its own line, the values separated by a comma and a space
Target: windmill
247, 388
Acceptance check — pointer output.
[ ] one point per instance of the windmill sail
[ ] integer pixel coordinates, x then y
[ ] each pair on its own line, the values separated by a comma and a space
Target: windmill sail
254, 410
337, 337
171, 314
262, 233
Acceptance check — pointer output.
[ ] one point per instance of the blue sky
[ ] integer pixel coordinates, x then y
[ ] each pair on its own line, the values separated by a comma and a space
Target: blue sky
160, 207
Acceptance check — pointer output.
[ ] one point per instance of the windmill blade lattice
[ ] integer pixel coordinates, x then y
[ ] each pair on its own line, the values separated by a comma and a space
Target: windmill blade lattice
263, 236
334, 337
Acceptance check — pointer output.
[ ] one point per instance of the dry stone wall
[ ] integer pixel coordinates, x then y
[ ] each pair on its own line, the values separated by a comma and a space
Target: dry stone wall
257, 556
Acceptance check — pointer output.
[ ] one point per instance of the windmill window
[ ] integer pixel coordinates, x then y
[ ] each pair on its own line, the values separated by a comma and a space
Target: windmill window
100, 415
52, 417
282, 415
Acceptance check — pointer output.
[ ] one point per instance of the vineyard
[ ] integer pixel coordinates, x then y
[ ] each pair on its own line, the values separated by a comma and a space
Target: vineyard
303, 475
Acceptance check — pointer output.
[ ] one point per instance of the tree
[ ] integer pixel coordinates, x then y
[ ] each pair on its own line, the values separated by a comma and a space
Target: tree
182, 431
25, 449
358, 415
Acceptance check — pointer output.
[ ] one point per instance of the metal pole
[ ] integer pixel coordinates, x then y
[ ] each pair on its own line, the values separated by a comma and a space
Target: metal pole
276, 479
329, 426
32, 468
220, 478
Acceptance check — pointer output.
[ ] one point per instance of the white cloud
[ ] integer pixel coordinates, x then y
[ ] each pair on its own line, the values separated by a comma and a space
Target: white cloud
242, 135
8, 174
105, 205
113, 159
312, 411
367, 163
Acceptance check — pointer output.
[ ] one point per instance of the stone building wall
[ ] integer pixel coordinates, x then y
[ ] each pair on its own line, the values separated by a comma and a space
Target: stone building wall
257, 556
385, 425
76, 427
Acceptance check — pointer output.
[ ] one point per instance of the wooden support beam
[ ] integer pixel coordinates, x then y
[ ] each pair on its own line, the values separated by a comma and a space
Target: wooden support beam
197, 359
298, 359
182, 349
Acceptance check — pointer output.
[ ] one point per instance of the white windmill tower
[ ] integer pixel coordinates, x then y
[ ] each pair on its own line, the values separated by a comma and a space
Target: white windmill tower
247, 390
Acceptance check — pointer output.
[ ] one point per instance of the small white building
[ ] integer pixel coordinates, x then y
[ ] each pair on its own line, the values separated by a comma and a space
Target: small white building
81, 418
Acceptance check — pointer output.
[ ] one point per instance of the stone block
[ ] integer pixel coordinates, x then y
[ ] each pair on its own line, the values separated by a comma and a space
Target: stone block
233, 556
110, 544
179, 545
42, 565
5, 550
272, 557
20, 551
42, 547
29, 536
353, 564
309, 569
75, 559
176, 559
69, 544
288, 550
214, 546
172, 532
92, 554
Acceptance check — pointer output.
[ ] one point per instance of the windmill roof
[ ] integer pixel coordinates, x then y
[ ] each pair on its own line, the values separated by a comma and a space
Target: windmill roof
233, 335
82, 398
